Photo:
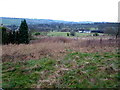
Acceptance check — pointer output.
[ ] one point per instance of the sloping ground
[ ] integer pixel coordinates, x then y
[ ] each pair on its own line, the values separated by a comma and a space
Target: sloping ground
81, 70
55, 47
62, 63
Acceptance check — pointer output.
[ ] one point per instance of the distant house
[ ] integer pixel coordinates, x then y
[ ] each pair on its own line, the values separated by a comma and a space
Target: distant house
97, 31
80, 31
87, 31
84, 31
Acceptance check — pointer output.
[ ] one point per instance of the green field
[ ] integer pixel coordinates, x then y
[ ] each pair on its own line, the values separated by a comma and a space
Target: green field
81, 70
57, 34
65, 34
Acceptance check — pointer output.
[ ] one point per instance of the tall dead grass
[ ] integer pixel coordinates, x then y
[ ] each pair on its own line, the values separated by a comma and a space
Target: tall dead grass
53, 39
55, 47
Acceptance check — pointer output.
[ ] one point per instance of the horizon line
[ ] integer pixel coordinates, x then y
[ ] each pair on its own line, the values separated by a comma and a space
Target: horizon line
60, 19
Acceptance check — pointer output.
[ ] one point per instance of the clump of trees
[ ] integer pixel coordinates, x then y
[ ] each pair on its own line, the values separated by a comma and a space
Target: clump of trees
21, 36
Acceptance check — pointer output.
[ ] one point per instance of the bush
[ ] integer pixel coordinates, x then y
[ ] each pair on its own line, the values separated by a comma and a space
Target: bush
95, 34
37, 33
68, 34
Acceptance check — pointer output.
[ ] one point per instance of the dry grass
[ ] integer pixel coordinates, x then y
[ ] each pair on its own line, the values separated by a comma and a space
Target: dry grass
55, 47
59, 62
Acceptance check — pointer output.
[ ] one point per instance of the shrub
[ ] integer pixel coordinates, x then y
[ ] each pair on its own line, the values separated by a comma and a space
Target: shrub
68, 34
95, 34
37, 33
40, 33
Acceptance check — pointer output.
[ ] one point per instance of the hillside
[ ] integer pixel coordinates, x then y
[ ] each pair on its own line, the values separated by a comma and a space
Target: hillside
16, 21
56, 25
59, 62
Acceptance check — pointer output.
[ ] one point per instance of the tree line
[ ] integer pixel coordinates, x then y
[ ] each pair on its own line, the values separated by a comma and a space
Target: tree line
16, 37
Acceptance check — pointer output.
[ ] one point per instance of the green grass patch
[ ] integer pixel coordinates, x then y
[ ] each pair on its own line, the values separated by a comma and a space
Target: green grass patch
82, 70
25, 74
96, 70
58, 33
64, 34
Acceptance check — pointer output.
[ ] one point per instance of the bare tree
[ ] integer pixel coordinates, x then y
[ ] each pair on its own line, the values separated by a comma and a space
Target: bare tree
115, 31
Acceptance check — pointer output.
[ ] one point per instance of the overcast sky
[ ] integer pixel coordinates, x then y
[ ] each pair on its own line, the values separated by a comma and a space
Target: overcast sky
69, 10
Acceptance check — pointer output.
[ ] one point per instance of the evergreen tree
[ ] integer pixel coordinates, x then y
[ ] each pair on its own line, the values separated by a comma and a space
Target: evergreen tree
10, 37
0, 35
4, 36
23, 32
17, 36
14, 37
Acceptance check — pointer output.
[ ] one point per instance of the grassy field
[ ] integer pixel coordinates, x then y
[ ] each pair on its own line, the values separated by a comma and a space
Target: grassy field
75, 70
65, 34
60, 62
